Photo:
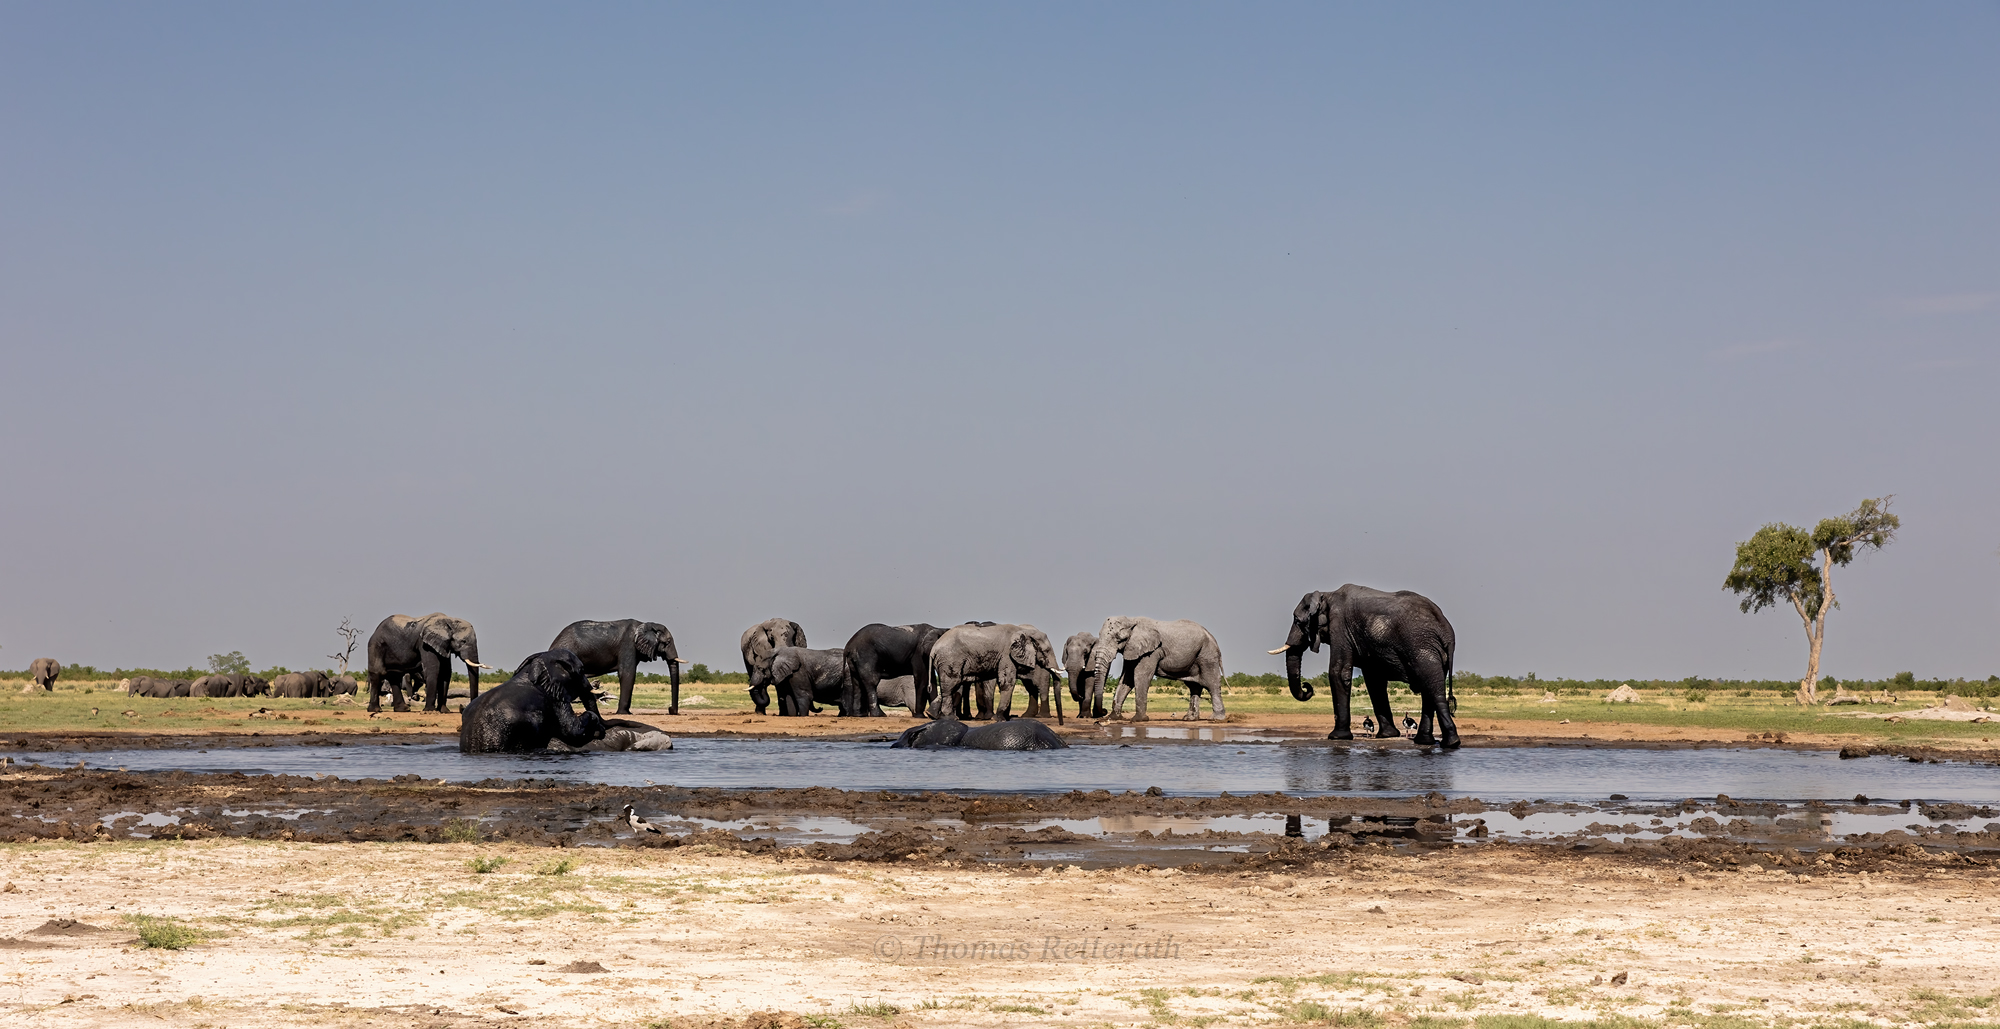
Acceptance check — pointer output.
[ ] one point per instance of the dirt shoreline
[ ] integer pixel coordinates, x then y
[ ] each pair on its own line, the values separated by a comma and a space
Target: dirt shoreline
711, 934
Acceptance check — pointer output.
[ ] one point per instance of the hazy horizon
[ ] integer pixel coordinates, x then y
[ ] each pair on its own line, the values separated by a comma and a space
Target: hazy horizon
1041, 313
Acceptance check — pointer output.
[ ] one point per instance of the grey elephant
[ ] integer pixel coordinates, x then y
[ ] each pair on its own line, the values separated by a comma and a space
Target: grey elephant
44, 671
1170, 650
309, 683
967, 657
212, 686
759, 643
622, 646
803, 678
422, 647
1391, 637
900, 691
1084, 688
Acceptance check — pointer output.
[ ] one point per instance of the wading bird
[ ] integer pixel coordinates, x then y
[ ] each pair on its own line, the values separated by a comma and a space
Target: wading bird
632, 818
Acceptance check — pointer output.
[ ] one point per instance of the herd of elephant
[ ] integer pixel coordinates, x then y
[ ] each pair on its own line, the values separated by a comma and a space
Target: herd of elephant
290, 684
966, 671
950, 674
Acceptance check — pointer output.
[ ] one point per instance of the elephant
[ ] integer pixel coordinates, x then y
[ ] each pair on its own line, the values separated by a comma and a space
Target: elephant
149, 686
423, 647
900, 691
621, 646
529, 711
805, 677
44, 671
1399, 636
876, 652
245, 685
338, 686
1015, 734
759, 643
213, 686
1084, 688
1171, 650
308, 683
968, 656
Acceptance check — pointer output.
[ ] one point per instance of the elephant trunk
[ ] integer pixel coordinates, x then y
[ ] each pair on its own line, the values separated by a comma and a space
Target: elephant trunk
470, 655
674, 680
1295, 654
1100, 659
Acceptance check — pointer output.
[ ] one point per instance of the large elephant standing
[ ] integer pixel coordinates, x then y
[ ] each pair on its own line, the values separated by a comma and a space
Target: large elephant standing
804, 677
1171, 650
525, 713
876, 652
621, 646
1400, 637
44, 671
970, 656
422, 647
759, 643
1085, 688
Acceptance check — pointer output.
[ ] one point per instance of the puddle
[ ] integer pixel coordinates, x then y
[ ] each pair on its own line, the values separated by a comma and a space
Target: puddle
1495, 774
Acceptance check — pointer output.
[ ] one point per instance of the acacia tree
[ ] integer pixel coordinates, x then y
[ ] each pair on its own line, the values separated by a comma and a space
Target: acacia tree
1785, 562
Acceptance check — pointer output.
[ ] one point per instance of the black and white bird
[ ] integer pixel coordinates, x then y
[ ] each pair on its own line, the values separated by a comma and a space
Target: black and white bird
1368, 723
1409, 723
632, 818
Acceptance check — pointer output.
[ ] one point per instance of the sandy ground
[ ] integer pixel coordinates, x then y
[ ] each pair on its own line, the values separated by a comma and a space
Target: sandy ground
408, 934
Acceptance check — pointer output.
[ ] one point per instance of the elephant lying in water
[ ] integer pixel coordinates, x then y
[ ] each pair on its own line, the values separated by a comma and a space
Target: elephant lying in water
529, 711
1013, 734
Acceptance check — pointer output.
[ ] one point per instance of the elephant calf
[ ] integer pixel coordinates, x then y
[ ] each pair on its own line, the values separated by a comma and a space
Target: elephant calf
804, 678
1086, 688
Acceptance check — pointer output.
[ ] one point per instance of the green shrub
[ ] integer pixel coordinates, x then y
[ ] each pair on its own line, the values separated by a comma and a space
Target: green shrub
1695, 696
563, 866
461, 830
1314, 1012
483, 865
161, 932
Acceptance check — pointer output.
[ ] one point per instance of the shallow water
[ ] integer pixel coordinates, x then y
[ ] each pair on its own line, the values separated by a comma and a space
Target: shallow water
1491, 773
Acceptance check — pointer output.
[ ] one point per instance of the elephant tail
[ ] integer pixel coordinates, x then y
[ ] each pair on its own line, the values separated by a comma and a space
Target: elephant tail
1450, 697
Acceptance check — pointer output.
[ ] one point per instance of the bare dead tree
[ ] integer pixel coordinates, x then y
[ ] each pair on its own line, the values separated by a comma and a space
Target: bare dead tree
352, 635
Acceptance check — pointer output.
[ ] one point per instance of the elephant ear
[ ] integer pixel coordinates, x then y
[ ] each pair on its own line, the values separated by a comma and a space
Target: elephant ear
434, 631
798, 635
784, 664
1144, 640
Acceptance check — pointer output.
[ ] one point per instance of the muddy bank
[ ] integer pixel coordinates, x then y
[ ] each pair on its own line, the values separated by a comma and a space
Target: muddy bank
1089, 829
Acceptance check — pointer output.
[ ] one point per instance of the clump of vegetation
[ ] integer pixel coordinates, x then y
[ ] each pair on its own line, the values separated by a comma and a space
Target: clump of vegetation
877, 1009
1313, 1012
483, 865
562, 866
162, 932
1694, 696
461, 830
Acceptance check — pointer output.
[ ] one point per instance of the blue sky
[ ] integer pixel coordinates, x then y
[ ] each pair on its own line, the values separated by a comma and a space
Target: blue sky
1039, 313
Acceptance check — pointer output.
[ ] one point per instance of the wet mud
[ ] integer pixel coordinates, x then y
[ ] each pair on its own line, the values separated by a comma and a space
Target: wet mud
1096, 829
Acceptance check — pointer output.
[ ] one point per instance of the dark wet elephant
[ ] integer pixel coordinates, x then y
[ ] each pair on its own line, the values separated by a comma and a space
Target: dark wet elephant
804, 677
1013, 734
876, 652
759, 643
622, 646
44, 671
421, 647
1399, 637
525, 713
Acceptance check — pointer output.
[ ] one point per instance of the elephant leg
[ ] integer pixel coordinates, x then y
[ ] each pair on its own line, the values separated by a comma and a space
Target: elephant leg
374, 692
1119, 694
989, 701
1432, 687
1142, 684
437, 679
1340, 686
627, 678
1214, 685
401, 680
1378, 698
1097, 697
1423, 738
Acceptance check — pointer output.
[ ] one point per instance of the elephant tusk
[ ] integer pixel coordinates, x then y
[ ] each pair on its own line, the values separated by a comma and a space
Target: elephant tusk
678, 661
1280, 650
475, 664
